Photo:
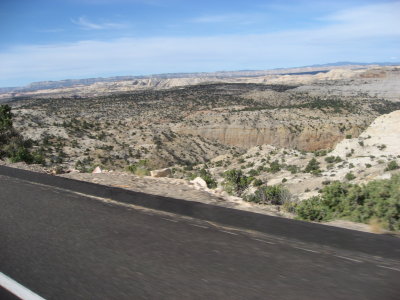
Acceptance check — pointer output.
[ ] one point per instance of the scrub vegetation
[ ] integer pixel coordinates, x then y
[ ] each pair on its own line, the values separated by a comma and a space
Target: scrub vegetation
12, 144
376, 200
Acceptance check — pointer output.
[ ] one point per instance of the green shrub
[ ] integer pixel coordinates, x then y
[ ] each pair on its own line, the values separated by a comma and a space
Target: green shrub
188, 167
333, 159
274, 167
312, 167
257, 182
274, 194
350, 176
236, 182
17, 149
250, 165
312, 209
260, 169
84, 166
392, 165
141, 168
320, 152
378, 199
19, 153
292, 169
330, 159
12, 144
191, 176
253, 172
5, 118
381, 147
38, 158
207, 177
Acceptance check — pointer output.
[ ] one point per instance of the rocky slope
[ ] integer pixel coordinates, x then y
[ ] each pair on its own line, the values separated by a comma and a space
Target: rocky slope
366, 158
344, 122
380, 139
191, 124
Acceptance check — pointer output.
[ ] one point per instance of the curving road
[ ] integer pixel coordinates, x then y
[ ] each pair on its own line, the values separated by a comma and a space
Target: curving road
63, 244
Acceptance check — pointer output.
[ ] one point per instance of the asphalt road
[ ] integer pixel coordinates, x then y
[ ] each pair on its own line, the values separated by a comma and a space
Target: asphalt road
64, 245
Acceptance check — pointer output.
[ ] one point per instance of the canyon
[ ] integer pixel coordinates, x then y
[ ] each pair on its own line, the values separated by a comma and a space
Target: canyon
300, 129
193, 119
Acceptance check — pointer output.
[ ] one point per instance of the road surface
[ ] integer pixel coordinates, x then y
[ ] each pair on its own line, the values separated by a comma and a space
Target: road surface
62, 244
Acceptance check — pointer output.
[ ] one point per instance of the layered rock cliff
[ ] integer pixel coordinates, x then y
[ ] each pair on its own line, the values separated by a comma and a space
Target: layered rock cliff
308, 139
307, 131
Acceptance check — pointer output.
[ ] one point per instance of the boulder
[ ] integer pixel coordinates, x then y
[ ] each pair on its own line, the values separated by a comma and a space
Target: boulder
161, 173
199, 182
97, 170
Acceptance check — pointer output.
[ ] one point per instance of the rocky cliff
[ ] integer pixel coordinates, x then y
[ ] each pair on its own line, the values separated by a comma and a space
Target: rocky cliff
280, 135
303, 130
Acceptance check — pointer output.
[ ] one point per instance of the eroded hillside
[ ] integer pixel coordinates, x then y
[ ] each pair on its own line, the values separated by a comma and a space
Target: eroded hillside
189, 125
291, 136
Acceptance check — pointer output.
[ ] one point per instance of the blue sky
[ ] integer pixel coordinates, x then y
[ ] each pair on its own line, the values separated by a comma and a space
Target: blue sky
60, 39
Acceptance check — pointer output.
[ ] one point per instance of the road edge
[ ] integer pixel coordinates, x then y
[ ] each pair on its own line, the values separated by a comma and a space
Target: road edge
373, 244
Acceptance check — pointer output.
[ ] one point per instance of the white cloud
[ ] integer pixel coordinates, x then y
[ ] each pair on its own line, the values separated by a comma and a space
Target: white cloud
378, 19
84, 23
348, 37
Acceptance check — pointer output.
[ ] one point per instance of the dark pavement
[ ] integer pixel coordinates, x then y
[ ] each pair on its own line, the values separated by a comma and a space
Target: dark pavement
63, 245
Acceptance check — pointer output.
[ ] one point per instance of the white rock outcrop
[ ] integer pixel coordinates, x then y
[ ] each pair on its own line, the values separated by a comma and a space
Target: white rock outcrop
380, 138
161, 173
97, 170
199, 182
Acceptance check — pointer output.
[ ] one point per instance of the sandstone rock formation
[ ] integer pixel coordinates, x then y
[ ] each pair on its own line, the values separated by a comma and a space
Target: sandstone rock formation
199, 183
280, 135
161, 173
382, 137
97, 170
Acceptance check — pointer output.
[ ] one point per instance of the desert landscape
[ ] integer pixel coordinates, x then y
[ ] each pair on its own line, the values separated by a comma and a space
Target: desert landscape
170, 149
226, 138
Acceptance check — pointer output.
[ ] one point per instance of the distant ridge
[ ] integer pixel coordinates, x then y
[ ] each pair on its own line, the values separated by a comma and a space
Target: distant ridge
42, 85
349, 63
